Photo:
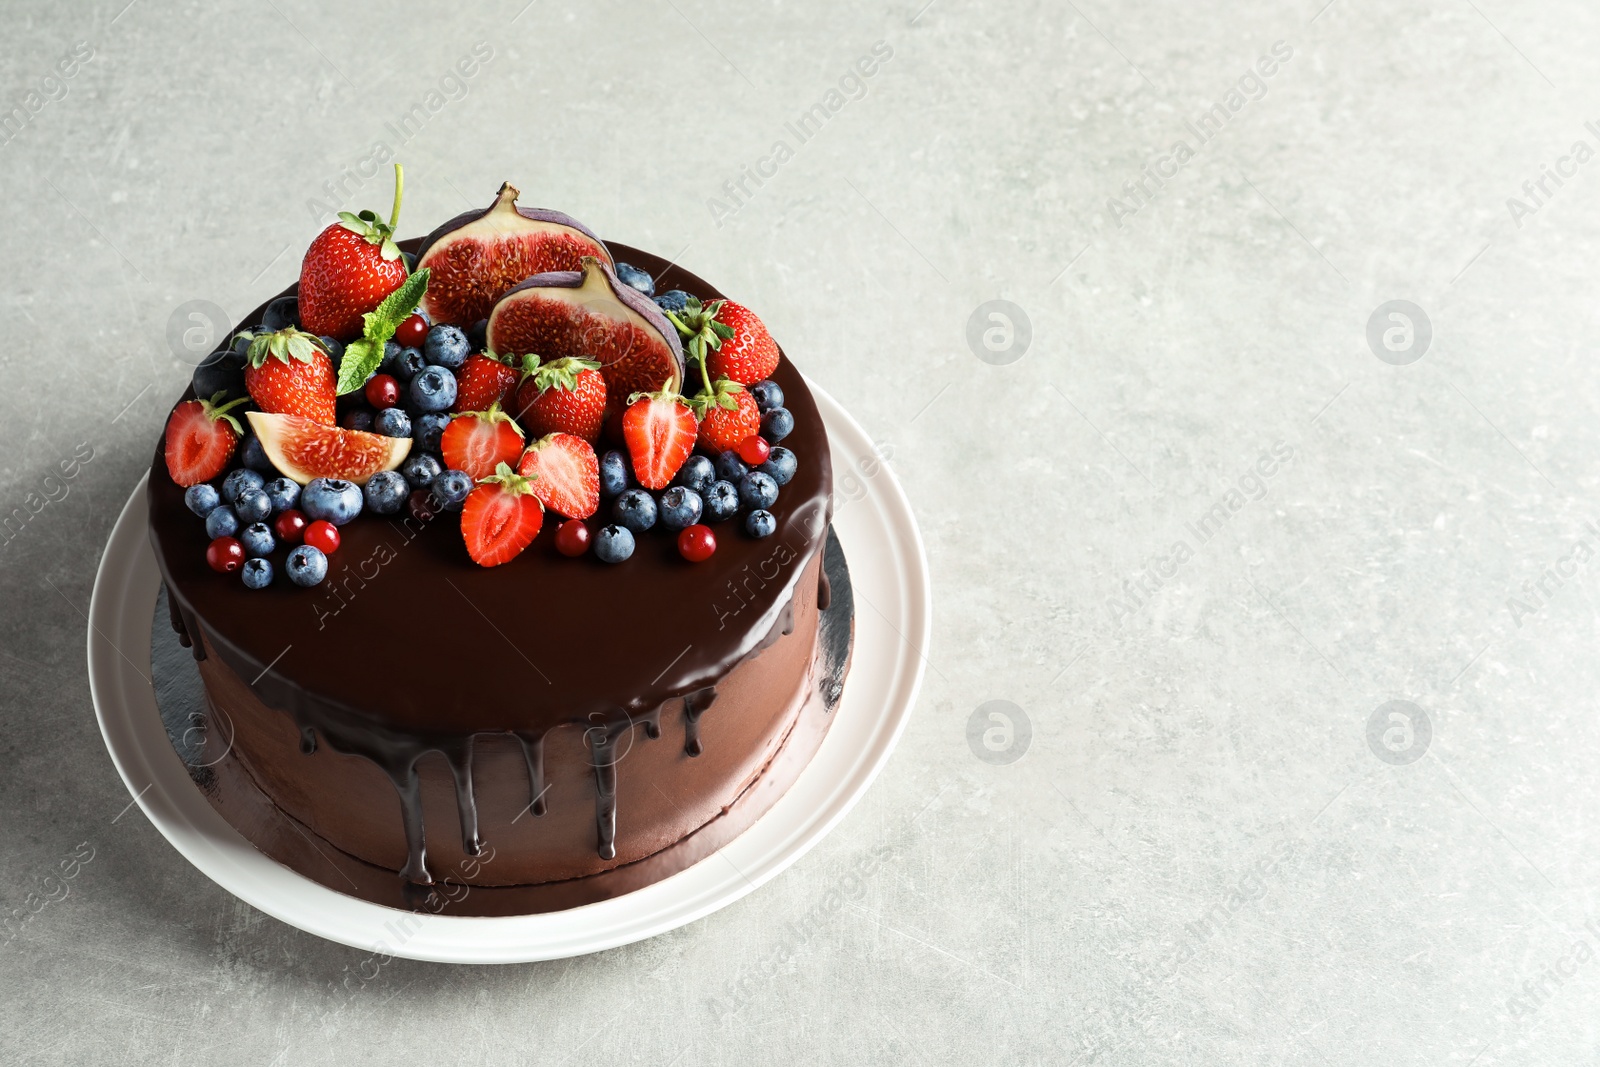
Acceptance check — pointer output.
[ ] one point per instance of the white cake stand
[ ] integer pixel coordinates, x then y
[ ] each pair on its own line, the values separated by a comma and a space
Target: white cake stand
888, 572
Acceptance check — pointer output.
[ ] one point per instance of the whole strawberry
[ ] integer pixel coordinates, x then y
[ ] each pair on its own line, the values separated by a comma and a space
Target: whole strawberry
289, 373
348, 270
566, 395
727, 413
484, 380
730, 337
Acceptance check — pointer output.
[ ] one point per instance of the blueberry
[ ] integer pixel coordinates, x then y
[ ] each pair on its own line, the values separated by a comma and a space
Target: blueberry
306, 566
721, 501
613, 473
201, 499
335, 348
257, 573
253, 456
408, 364
392, 422
283, 493
780, 465
333, 499
281, 314
680, 507
635, 509
241, 341
386, 493
426, 430
672, 300
257, 539
357, 419
420, 470
697, 473
433, 389
221, 522
446, 346
767, 395
238, 482
613, 544
630, 275
478, 335
776, 425
253, 505
220, 372
730, 468
450, 489
760, 523
391, 355
757, 490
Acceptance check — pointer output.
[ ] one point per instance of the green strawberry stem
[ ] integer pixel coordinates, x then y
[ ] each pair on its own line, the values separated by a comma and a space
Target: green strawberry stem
399, 187
214, 409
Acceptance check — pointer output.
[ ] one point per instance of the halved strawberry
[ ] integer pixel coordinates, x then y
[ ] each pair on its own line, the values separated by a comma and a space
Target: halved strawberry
290, 373
479, 441
565, 474
201, 437
659, 429
484, 379
500, 518
566, 395
730, 337
727, 413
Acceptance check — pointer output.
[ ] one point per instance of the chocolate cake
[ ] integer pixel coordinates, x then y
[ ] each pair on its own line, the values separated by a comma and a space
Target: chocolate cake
551, 720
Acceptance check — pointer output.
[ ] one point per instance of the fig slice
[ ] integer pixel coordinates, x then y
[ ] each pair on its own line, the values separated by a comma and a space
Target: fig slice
590, 314
476, 257
302, 449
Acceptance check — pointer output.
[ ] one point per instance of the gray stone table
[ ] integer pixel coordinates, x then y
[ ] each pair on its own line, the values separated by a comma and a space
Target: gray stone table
1288, 589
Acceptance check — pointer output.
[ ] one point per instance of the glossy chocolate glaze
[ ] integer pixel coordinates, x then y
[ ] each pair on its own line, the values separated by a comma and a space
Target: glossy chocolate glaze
408, 647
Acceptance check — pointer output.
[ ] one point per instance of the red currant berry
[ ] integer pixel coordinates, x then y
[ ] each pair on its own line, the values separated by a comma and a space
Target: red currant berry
411, 332
383, 391
754, 450
572, 538
323, 536
225, 555
421, 505
696, 543
290, 525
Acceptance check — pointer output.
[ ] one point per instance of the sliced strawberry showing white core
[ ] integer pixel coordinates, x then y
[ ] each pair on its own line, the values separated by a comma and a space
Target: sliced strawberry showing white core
565, 474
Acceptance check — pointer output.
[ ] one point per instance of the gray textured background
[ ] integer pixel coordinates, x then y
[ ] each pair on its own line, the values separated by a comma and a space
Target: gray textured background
1200, 858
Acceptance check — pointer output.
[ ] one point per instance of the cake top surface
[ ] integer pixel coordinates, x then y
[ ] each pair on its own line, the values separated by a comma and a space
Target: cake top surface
407, 633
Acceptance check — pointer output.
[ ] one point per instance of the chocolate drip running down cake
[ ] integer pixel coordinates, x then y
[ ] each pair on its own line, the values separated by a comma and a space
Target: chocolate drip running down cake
556, 720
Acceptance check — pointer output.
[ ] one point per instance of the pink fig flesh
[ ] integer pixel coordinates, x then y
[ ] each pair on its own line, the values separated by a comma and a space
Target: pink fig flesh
475, 258
589, 314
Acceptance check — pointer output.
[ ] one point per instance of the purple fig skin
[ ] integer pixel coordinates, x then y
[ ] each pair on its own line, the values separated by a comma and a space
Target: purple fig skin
625, 294
533, 214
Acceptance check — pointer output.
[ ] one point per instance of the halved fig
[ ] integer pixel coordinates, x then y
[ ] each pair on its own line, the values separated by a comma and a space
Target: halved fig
589, 314
303, 450
476, 257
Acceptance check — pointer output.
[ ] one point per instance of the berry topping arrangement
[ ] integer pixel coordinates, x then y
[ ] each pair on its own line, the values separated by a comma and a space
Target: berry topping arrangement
512, 368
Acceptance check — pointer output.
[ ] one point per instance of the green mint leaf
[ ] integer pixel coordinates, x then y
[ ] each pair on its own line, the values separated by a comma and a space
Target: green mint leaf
396, 308
360, 359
